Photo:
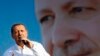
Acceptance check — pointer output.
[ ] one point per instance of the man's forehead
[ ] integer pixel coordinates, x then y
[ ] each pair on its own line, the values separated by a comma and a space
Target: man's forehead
19, 27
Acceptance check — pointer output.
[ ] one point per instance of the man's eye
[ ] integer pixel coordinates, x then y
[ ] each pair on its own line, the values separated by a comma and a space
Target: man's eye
46, 18
22, 30
14, 32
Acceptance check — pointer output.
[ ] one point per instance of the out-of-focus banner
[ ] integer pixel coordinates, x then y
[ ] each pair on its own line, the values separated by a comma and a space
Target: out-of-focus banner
70, 27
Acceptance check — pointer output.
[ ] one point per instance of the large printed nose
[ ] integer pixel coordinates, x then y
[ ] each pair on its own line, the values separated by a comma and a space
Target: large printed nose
65, 34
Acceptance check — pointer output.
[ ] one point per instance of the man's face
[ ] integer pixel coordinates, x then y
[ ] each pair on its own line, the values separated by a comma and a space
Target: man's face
70, 27
19, 33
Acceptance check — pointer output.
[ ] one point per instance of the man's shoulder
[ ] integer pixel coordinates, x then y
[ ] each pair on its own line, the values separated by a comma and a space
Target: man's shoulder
36, 43
9, 50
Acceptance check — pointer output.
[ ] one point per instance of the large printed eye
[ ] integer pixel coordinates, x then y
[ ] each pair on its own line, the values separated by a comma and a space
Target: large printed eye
46, 18
76, 10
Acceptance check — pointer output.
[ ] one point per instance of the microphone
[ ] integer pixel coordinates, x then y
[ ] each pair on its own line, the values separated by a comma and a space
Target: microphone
25, 42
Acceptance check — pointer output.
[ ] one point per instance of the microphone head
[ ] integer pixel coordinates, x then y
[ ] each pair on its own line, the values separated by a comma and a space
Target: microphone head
25, 42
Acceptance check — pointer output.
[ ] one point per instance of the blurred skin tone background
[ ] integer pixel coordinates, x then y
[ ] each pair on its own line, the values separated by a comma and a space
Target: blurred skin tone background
70, 27
17, 11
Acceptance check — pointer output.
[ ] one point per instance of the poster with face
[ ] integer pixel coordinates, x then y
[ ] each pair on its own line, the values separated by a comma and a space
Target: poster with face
70, 27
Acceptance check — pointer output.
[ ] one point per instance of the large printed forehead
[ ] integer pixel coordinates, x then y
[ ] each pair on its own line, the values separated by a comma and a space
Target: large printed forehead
48, 4
42, 4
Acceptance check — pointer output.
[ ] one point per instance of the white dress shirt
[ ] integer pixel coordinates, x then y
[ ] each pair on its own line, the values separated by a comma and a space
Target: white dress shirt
37, 50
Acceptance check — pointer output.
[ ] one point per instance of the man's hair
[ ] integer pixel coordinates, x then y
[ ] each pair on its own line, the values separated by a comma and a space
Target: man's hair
12, 28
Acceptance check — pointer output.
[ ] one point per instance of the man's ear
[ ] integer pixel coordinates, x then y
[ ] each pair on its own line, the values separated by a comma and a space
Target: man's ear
12, 36
26, 31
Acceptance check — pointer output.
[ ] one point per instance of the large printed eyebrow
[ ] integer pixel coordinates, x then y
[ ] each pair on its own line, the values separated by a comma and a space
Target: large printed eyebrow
63, 7
43, 11
67, 6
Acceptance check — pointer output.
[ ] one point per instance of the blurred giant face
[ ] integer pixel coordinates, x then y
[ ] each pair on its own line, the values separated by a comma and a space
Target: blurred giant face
70, 27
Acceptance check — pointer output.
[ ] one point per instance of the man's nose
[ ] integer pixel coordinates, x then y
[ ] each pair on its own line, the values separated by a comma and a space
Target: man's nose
65, 34
19, 33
